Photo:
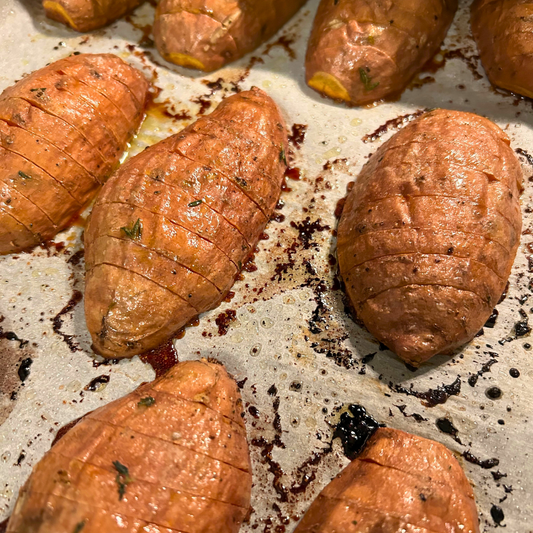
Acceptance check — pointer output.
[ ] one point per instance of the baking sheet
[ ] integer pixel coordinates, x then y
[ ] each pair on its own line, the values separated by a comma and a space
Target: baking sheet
286, 326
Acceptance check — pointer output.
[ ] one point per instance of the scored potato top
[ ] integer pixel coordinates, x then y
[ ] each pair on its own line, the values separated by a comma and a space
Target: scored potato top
502, 30
429, 233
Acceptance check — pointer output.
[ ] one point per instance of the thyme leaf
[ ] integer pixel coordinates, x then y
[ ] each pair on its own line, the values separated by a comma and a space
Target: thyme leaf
367, 80
135, 232
196, 203
23, 175
282, 157
146, 402
79, 526
123, 478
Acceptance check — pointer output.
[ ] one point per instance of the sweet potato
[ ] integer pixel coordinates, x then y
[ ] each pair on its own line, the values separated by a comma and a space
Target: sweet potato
207, 34
363, 50
171, 456
63, 130
430, 231
172, 228
400, 482
502, 30
88, 15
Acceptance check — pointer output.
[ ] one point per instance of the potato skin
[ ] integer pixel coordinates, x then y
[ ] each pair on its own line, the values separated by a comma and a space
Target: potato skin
502, 31
363, 50
429, 233
88, 15
183, 442
207, 34
201, 199
63, 130
426, 491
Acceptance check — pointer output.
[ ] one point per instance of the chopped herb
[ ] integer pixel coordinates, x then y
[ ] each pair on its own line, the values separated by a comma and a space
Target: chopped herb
367, 80
135, 231
24, 175
79, 526
123, 478
35, 90
195, 203
282, 156
241, 182
146, 402
371, 40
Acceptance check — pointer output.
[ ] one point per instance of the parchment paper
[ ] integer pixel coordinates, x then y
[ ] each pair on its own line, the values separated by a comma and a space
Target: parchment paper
290, 328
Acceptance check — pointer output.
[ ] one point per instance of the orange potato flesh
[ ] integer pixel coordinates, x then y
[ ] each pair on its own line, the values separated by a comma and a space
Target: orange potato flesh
363, 50
207, 34
199, 199
168, 481
61, 137
429, 233
426, 491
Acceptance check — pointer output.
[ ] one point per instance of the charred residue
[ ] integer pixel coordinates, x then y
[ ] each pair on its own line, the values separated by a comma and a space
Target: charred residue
354, 429
473, 379
57, 321
297, 136
98, 383
487, 464
431, 397
162, 358
392, 124
224, 320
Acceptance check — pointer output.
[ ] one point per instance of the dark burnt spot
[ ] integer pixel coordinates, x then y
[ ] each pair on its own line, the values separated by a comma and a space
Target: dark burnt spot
285, 42
162, 358
297, 136
254, 411
498, 475
446, 426
24, 369
96, 383
494, 393
514, 373
522, 328
487, 464
354, 429
307, 229
415, 416
432, 397
497, 514
473, 379
57, 321
224, 320
293, 173
491, 322
394, 124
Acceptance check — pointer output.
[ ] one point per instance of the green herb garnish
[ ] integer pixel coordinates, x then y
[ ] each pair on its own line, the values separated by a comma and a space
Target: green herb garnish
146, 402
35, 90
123, 478
135, 232
195, 203
241, 182
282, 156
24, 175
79, 526
367, 80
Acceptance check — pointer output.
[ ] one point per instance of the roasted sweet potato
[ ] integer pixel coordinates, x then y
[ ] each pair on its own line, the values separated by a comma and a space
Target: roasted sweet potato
88, 15
400, 483
363, 50
171, 456
172, 228
63, 130
430, 231
207, 34
503, 30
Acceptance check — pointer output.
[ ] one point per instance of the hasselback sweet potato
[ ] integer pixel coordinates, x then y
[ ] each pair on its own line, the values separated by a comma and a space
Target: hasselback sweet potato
63, 130
207, 34
170, 457
502, 30
399, 483
88, 15
172, 228
430, 231
363, 50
